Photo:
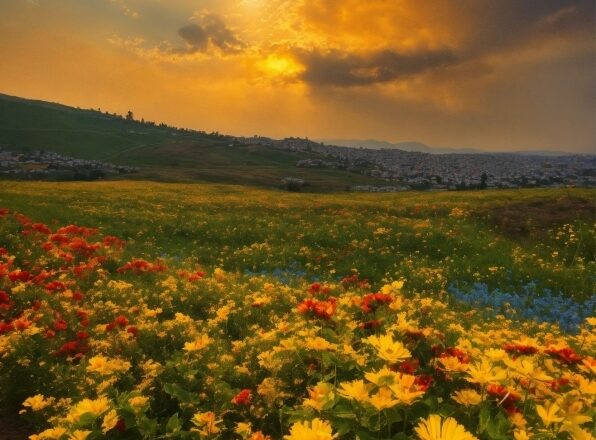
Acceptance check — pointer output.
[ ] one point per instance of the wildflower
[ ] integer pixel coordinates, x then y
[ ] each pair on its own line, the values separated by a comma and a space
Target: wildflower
467, 397
436, 428
566, 355
406, 389
320, 396
548, 413
383, 399
484, 372
244, 397
109, 421
384, 376
198, 344
388, 349
356, 390
320, 344
138, 402
49, 434
206, 423
105, 366
316, 429
88, 406
37, 402
79, 435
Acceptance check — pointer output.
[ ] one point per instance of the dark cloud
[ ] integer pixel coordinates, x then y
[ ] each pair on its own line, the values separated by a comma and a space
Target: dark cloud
195, 36
497, 25
344, 70
210, 29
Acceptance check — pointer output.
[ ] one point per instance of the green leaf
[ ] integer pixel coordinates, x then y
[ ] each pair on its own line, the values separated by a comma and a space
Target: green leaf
181, 394
173, 424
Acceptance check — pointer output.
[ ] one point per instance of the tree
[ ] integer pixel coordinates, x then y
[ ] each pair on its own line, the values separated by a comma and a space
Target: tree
483, 180
130, 116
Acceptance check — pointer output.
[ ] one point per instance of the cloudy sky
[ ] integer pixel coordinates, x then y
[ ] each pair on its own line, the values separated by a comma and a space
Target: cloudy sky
488, 74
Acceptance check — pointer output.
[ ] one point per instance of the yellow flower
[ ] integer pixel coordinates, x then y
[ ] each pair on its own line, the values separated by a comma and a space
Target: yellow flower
356, 390
319, 396
243, 429
383, 399
104, 366
382, 377
525, 367
484, 372
405, 389
109, 421
49, 434
434, 428
87, 406
37, 402
548, 414
198, 344
206, 423
320, 344
521, 434
452, 364
467, 397
388, 349
79, 435
138, 402
316, 429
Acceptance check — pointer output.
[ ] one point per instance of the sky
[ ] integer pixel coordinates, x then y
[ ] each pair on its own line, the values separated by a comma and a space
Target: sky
499, 75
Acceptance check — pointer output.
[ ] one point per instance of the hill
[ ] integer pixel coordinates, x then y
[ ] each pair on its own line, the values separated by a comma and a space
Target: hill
163, 153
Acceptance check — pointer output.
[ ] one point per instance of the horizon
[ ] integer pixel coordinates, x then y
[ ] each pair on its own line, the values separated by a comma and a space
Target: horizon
505, 78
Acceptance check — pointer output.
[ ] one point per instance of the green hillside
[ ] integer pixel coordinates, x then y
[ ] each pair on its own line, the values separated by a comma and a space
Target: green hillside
162, 153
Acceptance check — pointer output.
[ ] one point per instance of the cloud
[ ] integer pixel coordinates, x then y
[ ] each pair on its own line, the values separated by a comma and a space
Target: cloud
210, 30
335, 68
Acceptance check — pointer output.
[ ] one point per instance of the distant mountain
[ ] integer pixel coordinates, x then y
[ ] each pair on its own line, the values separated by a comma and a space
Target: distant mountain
422, 148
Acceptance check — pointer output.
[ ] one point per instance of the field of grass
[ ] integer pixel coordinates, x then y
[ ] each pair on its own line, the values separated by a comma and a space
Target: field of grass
234, 312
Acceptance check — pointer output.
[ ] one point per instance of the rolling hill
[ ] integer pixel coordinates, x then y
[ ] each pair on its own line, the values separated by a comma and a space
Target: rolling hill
161, 152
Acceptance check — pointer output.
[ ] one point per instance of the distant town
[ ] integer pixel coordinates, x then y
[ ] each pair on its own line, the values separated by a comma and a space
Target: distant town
405, 170
46, 165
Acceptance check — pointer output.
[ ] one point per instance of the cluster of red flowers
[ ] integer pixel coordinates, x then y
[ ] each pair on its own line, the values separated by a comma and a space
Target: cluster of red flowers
354, 281
139, 265
192, 276
566, 355
371, 301
318, 288
322, 309
520, 349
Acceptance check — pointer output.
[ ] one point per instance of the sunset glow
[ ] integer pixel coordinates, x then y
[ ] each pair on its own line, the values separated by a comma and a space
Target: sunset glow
507, 75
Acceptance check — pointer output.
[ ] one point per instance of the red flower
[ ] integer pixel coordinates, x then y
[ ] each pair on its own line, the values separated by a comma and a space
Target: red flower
60, 325
505, 397
121, 321
133, 330
82, 335
244, 397
566, 355
371, 301
322, 309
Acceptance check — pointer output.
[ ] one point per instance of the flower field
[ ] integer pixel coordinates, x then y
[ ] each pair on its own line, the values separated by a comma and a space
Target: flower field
207, 312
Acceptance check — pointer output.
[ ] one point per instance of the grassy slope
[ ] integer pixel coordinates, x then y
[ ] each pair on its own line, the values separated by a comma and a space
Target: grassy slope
162, 153
409, 235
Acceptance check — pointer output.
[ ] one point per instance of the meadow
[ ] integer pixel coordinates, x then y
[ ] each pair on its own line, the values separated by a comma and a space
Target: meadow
152, 310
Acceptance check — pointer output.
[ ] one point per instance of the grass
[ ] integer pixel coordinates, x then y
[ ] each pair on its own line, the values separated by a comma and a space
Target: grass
431, 239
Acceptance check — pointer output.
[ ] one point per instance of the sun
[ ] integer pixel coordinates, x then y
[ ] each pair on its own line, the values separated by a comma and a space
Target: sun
280, 66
